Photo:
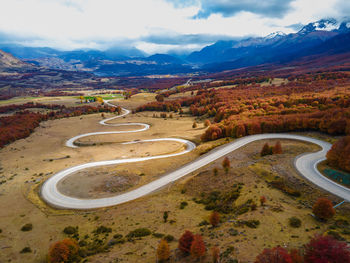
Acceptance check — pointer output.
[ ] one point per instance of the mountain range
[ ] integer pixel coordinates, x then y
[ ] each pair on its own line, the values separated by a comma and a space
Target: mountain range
321, 38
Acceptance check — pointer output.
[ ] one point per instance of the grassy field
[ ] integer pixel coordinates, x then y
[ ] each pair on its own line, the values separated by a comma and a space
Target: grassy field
27, 163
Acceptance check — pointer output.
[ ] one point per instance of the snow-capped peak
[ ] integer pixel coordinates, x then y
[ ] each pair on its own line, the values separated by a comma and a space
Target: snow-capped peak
275, 34
321, 25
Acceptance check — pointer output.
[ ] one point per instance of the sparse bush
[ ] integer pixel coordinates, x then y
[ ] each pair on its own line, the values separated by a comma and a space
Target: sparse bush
140, 232
118, 236
103, 229
253, 206
294, 222
158, 235
26, 250
215, 171
70, 230
252, 223
249, 223
233, 232
203, 223
27, 227
281, 185
169, 238
165, 216
221, 202
183, 205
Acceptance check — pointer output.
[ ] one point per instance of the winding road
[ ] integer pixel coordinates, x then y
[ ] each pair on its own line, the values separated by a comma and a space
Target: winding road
306, 164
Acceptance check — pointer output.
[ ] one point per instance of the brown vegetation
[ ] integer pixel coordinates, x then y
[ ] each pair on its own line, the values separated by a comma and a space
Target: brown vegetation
323, 209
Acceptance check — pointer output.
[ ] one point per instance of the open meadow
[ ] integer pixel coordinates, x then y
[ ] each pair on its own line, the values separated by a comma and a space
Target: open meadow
104, 234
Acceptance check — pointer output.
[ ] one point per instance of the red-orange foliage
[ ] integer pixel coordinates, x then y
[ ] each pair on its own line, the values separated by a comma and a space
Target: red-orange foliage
22, 124
197, 247
339, 155
297, 256
323, 208
163, 252
216, 254
63, 251
226, 164
262, 200
266, 150
277, 149
160, 98
185, 242
306, 102
207, 123
274, 255
214, 218
325, 249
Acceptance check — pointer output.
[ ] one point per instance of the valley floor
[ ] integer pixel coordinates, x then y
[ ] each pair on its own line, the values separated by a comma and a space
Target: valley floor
27, 163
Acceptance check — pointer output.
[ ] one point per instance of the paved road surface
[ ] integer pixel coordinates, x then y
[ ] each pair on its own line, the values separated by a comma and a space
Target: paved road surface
306, 164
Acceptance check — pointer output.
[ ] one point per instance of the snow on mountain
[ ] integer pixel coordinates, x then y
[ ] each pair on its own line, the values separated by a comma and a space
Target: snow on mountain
321, 25
275, 34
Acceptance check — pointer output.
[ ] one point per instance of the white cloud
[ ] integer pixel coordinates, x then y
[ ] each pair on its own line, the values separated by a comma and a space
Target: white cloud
101, 23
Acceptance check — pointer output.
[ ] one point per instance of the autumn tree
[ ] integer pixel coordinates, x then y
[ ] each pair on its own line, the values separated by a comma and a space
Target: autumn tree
339, 155
163, 251
119, 110
214, 218
326, 249
99, 100
262, 200
323, 209
226, 164
194, 125
277, 149
197, 247
266, 150
160, 98
297, 256
185, 242
63, 251
215, 253
207, 123
274, 255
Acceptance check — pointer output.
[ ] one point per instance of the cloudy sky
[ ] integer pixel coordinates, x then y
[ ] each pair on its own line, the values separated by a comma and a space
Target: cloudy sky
154, 25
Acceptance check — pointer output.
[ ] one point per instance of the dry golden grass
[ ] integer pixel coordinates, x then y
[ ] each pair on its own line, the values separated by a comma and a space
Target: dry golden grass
27, 162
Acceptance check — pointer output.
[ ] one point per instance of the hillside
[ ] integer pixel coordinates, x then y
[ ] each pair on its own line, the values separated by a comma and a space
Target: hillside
7, 61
